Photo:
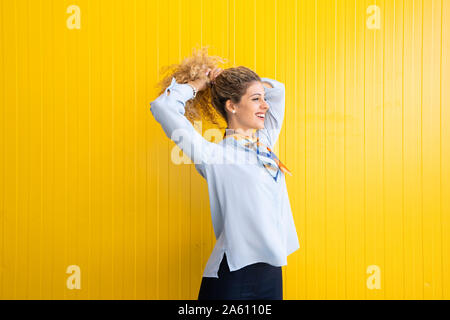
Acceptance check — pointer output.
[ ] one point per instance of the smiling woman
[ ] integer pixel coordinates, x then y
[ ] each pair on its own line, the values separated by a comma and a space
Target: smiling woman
250, 207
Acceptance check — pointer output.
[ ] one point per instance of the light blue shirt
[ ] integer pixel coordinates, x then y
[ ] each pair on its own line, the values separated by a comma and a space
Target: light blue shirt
251, 212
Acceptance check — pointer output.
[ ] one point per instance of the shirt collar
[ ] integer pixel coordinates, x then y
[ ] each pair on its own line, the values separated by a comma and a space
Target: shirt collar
231, 132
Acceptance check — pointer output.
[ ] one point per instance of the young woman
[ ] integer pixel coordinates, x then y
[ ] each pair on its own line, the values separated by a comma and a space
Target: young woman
249, 203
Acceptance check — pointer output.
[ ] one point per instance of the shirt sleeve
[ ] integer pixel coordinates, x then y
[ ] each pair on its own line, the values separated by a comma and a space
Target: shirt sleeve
274, 117
169, 111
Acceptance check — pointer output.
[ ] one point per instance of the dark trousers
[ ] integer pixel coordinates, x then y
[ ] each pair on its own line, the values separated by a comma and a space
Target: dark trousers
253, 282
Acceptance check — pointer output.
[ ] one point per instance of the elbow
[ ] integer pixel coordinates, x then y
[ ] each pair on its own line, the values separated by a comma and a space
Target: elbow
157, 105
280, 85
153, 105
166, 107
282, 89
155, 109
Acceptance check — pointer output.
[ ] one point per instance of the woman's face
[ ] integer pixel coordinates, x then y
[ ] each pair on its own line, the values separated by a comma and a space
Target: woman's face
251, 110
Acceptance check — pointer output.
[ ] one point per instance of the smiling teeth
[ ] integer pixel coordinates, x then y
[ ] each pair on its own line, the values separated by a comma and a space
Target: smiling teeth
260, 115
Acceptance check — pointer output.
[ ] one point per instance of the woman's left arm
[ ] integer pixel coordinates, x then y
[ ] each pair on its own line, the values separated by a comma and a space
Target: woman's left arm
275, 96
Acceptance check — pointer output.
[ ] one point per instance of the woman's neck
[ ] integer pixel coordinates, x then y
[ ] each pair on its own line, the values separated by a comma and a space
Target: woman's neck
248, 133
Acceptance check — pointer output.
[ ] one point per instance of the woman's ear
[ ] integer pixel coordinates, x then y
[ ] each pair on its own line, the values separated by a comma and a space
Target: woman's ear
229, 106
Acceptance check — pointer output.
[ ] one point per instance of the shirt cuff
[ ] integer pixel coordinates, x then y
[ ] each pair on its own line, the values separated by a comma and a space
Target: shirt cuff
180, 91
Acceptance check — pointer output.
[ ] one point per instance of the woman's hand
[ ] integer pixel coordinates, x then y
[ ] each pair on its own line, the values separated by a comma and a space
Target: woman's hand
214, 73
202, 83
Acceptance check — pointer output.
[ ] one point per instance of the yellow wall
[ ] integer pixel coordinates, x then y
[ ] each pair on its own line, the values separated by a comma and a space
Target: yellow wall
85, 173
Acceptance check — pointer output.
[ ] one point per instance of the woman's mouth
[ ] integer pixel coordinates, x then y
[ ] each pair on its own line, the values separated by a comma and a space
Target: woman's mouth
260, 115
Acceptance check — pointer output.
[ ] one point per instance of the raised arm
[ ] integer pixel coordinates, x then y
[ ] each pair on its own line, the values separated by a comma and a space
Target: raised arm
275, 96
168, 109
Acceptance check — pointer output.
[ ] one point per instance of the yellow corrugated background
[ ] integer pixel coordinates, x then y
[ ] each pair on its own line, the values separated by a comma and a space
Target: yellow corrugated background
85, 173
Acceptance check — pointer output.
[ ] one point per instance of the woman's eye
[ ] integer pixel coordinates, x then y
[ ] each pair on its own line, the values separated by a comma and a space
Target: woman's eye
258, 98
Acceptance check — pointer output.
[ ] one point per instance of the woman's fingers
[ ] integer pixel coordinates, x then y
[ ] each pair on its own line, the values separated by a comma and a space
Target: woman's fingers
216, 72
212, 74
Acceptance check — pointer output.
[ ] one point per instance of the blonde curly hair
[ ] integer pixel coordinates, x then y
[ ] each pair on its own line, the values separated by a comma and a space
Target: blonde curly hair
231, 83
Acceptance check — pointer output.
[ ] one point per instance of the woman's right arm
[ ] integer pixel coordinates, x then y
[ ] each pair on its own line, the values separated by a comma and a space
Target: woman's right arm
169, 109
